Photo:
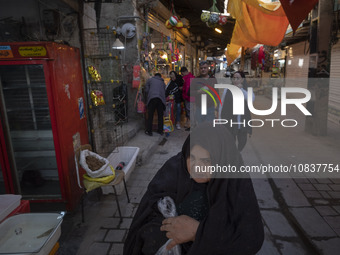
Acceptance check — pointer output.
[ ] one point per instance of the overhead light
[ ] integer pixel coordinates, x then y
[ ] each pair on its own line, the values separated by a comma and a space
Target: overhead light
152, 46
218, 30
218, 48
118, 45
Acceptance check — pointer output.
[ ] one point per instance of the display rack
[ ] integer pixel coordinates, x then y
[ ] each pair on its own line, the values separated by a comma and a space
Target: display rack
106, 120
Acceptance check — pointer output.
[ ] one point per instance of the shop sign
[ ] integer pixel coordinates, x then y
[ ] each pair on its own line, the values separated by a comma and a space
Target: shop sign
32, 51
6, 52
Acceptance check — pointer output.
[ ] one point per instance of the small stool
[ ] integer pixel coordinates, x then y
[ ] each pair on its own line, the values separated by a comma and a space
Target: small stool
119, 177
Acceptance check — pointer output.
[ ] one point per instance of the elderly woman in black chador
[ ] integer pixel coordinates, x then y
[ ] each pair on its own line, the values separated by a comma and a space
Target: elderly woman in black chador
218, 213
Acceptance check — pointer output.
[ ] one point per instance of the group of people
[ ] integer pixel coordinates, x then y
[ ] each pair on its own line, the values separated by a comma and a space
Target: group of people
157, 93
216, 213
179, 88
184, 88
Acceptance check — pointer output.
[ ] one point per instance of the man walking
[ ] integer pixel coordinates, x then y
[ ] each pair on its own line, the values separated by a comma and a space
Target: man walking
204, 82
155, 91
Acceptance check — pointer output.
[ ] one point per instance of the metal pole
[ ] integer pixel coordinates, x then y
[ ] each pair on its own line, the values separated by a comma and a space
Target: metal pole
242, 59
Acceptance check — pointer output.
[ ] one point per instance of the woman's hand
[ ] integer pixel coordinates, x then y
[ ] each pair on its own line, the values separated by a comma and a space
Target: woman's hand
180, 229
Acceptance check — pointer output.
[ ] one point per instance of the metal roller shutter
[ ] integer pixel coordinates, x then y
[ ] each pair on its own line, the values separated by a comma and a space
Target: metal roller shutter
334, 86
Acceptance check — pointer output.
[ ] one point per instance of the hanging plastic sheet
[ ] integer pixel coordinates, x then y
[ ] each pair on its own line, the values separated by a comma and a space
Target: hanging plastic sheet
256, 23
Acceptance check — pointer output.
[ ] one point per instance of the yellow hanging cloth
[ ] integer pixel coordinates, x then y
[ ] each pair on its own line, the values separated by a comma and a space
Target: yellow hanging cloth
232, 53
256, 23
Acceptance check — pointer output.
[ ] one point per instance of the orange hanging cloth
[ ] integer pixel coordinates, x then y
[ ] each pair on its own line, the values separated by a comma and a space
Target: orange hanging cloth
256, 23
297, 10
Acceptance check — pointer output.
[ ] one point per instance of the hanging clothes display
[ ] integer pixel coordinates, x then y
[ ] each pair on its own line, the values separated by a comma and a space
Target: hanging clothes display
256, 23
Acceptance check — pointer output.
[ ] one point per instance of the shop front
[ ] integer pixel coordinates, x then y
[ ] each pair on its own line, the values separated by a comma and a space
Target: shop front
279, 62
166, 54
42, 122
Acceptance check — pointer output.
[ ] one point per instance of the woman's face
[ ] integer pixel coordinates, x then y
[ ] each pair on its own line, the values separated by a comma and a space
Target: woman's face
198, 163
237, 80
173, 76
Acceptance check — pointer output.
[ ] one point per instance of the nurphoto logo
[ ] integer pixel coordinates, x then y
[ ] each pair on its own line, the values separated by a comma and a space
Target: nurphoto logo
238, 105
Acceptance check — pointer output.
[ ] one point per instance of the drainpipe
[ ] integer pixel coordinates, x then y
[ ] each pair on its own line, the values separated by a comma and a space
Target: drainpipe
86, 89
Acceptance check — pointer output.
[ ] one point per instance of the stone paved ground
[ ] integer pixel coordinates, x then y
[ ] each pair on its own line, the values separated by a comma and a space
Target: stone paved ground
108, 234
310, 204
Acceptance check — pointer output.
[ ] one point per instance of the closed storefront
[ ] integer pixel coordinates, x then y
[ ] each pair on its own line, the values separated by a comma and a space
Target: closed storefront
334, 86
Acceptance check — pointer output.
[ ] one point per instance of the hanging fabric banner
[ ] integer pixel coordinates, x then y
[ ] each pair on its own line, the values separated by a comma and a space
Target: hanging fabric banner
256, 23
297, 10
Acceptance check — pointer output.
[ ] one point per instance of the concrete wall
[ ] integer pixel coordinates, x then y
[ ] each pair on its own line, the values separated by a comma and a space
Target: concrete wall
107, 133
89, 17
111, 15
24, 20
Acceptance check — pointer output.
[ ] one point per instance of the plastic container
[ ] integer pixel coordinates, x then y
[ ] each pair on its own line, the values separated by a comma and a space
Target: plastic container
30, 233
8, 203
125, 154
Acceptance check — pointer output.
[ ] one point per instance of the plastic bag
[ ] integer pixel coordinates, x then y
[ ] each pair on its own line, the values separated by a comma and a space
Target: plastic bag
94, 73
140, 104
168, 126
168, 208
97, 97
104, 179
94, 183
104, 170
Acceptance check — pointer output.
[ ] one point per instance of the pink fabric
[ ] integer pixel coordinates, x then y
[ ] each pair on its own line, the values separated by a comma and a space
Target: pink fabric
186, 87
